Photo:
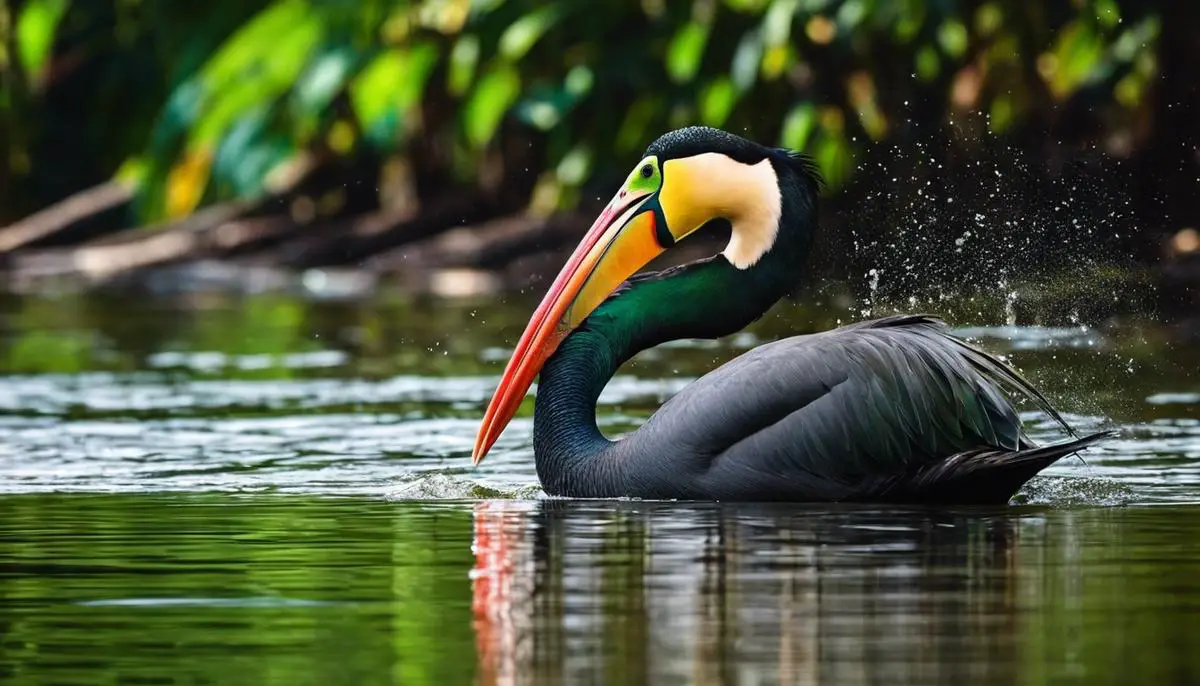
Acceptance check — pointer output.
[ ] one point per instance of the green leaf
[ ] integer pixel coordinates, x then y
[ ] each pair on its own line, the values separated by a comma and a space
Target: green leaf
798, 126
390, 85
1077, 51
321, 81
1108, 13
463, 58
35, 32
523, 33
928, 63
852, 13
233, 153
777, 22
575, 166
685, 51
746, 59
489, 102
1001, 113
372, 95
834, 158
953, 37
717, 102
544, 108
579, 81
256, 65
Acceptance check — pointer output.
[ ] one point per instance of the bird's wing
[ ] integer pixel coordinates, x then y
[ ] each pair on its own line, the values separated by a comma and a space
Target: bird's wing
831, 411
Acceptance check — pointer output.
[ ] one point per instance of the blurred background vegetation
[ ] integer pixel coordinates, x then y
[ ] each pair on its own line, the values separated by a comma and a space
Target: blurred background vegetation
325, 133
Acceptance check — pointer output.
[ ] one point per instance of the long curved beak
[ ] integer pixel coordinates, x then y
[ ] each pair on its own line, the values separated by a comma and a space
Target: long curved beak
620, 242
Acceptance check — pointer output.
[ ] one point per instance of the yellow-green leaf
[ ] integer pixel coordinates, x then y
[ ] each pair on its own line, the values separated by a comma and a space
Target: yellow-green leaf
463, 58
717, 102
798, 126
35, 31
522, 34
489, 102
686, 50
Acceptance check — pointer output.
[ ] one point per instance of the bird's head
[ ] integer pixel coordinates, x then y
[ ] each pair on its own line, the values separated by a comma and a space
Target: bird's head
686, 179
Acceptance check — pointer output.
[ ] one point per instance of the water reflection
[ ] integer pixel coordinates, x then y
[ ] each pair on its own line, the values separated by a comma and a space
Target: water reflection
570, 592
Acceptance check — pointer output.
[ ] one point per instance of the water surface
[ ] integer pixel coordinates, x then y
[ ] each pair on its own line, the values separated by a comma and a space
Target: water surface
270, 489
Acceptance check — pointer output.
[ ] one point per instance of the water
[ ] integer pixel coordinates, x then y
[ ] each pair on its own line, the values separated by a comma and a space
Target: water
209, 489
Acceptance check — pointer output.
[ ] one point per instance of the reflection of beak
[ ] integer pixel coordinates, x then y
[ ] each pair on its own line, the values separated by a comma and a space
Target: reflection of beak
620, 242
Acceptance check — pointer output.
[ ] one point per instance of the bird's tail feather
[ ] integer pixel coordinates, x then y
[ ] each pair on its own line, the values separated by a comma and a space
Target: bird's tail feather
979, 476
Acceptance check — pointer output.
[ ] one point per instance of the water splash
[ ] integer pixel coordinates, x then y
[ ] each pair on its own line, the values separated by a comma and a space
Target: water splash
1057, 491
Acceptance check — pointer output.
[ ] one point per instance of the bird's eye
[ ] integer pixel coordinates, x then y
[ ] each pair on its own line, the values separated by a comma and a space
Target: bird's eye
647, 171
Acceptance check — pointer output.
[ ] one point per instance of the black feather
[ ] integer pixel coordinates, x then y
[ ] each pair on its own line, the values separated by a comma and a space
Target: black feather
974, 477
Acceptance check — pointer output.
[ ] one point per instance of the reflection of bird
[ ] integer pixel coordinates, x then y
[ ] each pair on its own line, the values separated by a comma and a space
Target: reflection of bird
893, 409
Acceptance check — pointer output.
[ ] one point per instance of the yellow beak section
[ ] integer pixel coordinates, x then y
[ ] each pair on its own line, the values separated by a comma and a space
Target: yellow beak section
620, 242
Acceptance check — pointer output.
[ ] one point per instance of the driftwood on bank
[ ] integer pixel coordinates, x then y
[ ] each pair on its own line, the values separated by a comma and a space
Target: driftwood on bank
62, 216
127, 251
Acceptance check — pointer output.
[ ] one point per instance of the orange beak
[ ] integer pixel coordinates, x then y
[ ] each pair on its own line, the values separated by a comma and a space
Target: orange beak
620, 242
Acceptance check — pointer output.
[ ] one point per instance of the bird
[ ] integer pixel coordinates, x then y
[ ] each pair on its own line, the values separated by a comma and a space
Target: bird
890, 410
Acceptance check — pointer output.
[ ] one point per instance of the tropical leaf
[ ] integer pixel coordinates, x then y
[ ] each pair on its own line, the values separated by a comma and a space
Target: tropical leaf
36, 28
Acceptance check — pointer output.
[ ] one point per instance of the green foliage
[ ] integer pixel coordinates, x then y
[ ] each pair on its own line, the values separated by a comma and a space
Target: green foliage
36, 27
247, 88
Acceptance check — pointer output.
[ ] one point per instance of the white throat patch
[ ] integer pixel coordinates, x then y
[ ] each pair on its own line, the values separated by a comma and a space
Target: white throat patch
755, 220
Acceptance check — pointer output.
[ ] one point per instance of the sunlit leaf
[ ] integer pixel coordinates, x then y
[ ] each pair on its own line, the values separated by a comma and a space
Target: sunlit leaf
717, 101
187, 182
798, 126
834, 157
988, 18
952, 36
579, 81
851, 14
1108, 13
928, 63
36, 28
321, 81
1069, 64
256, 66
1001, 113
323, 78
575, 166
746, 5
776, 60
489, 102
909, 20
233, 152
541, 112
373, 93
746, 60
777, 22
686, 51
522, 34
463, 58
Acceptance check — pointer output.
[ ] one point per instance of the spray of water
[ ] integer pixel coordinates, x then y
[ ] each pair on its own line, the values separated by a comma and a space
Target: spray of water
1001, 244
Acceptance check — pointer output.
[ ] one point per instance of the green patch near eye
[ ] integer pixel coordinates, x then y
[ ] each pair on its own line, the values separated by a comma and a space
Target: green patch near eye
645, 176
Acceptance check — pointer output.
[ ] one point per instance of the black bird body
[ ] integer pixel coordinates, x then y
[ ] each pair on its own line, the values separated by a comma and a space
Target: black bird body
890, 410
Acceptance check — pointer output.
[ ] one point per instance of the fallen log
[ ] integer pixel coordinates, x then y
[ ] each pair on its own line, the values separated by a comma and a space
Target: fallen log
130, 250
65, 215
350, 242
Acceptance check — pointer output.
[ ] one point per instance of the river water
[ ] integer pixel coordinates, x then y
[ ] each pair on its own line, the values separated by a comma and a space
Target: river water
209, 489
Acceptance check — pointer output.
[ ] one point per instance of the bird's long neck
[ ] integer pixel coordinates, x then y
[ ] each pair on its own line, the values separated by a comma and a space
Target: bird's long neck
706, 299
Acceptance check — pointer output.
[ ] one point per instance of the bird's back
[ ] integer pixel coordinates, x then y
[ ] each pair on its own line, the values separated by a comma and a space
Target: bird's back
833, 416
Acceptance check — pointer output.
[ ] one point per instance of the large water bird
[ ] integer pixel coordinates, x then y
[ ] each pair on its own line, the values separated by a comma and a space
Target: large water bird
889, 410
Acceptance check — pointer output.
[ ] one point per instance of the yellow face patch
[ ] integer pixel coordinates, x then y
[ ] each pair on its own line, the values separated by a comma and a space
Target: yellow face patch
695, 190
